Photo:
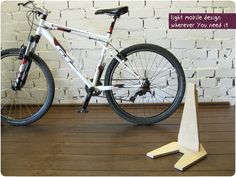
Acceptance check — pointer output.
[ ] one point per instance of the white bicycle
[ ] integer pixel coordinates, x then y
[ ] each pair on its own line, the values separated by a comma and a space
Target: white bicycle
144, 83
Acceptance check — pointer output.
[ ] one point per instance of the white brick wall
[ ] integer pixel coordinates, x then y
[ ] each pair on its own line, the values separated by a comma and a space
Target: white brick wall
207, 56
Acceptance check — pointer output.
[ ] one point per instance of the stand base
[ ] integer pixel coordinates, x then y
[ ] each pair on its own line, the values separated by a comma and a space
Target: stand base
189, 158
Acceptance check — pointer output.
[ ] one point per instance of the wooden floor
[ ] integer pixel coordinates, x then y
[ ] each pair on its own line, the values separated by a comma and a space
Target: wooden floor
100, 143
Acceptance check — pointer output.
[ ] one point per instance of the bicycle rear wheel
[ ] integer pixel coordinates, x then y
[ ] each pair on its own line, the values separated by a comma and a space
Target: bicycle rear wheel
32, 101
163, 84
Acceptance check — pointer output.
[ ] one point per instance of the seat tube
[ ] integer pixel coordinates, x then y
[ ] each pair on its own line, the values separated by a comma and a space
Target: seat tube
101, 65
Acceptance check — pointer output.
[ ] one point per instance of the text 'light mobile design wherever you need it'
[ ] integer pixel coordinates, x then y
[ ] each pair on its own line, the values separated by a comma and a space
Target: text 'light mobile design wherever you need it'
188, 137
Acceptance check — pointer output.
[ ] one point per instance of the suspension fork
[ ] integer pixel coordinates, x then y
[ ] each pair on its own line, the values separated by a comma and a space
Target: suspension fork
26, 61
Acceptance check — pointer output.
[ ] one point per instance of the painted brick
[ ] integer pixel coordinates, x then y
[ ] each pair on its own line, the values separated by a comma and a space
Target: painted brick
213, 54
8, 35
54, 15
60, 5
10, 44
9, 6
70, 101
164, 12
75, 83
19, 16
182, 44
193, 10
224, 34
226, 99
178, 53
80, 4
61, 83
61, 73
201, 63
49, 55
215, 91
72, 93
89, 25
193, 80
210, 82
225, 63
187, 64
53, 64
204, 99
59, 93
101, 100
124, 34
181, 4
225, 82
73, 14
82, 44
195, 33
205, 72
195, 53
130, 24
231, 92
208, 43
176, 33
229, 10
205, 3
22, 36
38, 94
227, 53
105, 4
130, 42
132, 3
142, 12
228, 43
161, 42
154, 33
223, 3
18, 26
156, 23
225, 73
218, 10
5, 17
189, 73
209, 10
158, 4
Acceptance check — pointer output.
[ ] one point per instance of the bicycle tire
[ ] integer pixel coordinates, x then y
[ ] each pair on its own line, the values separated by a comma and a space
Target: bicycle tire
50, 93
171, 109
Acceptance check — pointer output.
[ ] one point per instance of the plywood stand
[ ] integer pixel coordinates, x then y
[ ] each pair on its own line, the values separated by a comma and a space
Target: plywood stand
188, 137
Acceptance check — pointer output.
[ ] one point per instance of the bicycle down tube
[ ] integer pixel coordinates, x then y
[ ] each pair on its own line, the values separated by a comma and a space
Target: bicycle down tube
43, 29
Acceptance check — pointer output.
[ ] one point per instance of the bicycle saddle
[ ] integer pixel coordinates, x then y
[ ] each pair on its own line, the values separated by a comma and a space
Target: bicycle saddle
116, 12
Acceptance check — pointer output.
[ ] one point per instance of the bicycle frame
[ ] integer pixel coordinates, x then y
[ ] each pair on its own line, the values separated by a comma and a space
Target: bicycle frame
44, 30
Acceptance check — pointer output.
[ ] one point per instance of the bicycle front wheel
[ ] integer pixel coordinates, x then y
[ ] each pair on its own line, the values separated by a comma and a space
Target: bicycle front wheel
29, 103
162, 88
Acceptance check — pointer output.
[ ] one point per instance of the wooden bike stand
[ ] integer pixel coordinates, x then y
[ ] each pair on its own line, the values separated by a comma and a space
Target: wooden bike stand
188, 137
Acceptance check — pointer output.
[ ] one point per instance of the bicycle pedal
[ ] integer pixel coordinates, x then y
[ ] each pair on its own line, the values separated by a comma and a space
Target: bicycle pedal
83, 111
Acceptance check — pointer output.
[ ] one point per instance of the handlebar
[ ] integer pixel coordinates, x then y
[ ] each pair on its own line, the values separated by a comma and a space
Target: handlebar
36, 8
24, 4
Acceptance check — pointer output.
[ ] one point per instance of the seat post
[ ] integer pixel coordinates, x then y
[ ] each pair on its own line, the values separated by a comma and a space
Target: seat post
112, 24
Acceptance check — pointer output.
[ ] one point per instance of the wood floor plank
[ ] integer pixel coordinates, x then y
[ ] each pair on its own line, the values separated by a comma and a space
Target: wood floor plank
102, 148
59, 172
112, 162
101, 143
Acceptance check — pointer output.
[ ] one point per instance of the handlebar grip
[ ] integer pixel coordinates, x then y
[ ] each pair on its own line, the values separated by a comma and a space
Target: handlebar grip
24, 4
